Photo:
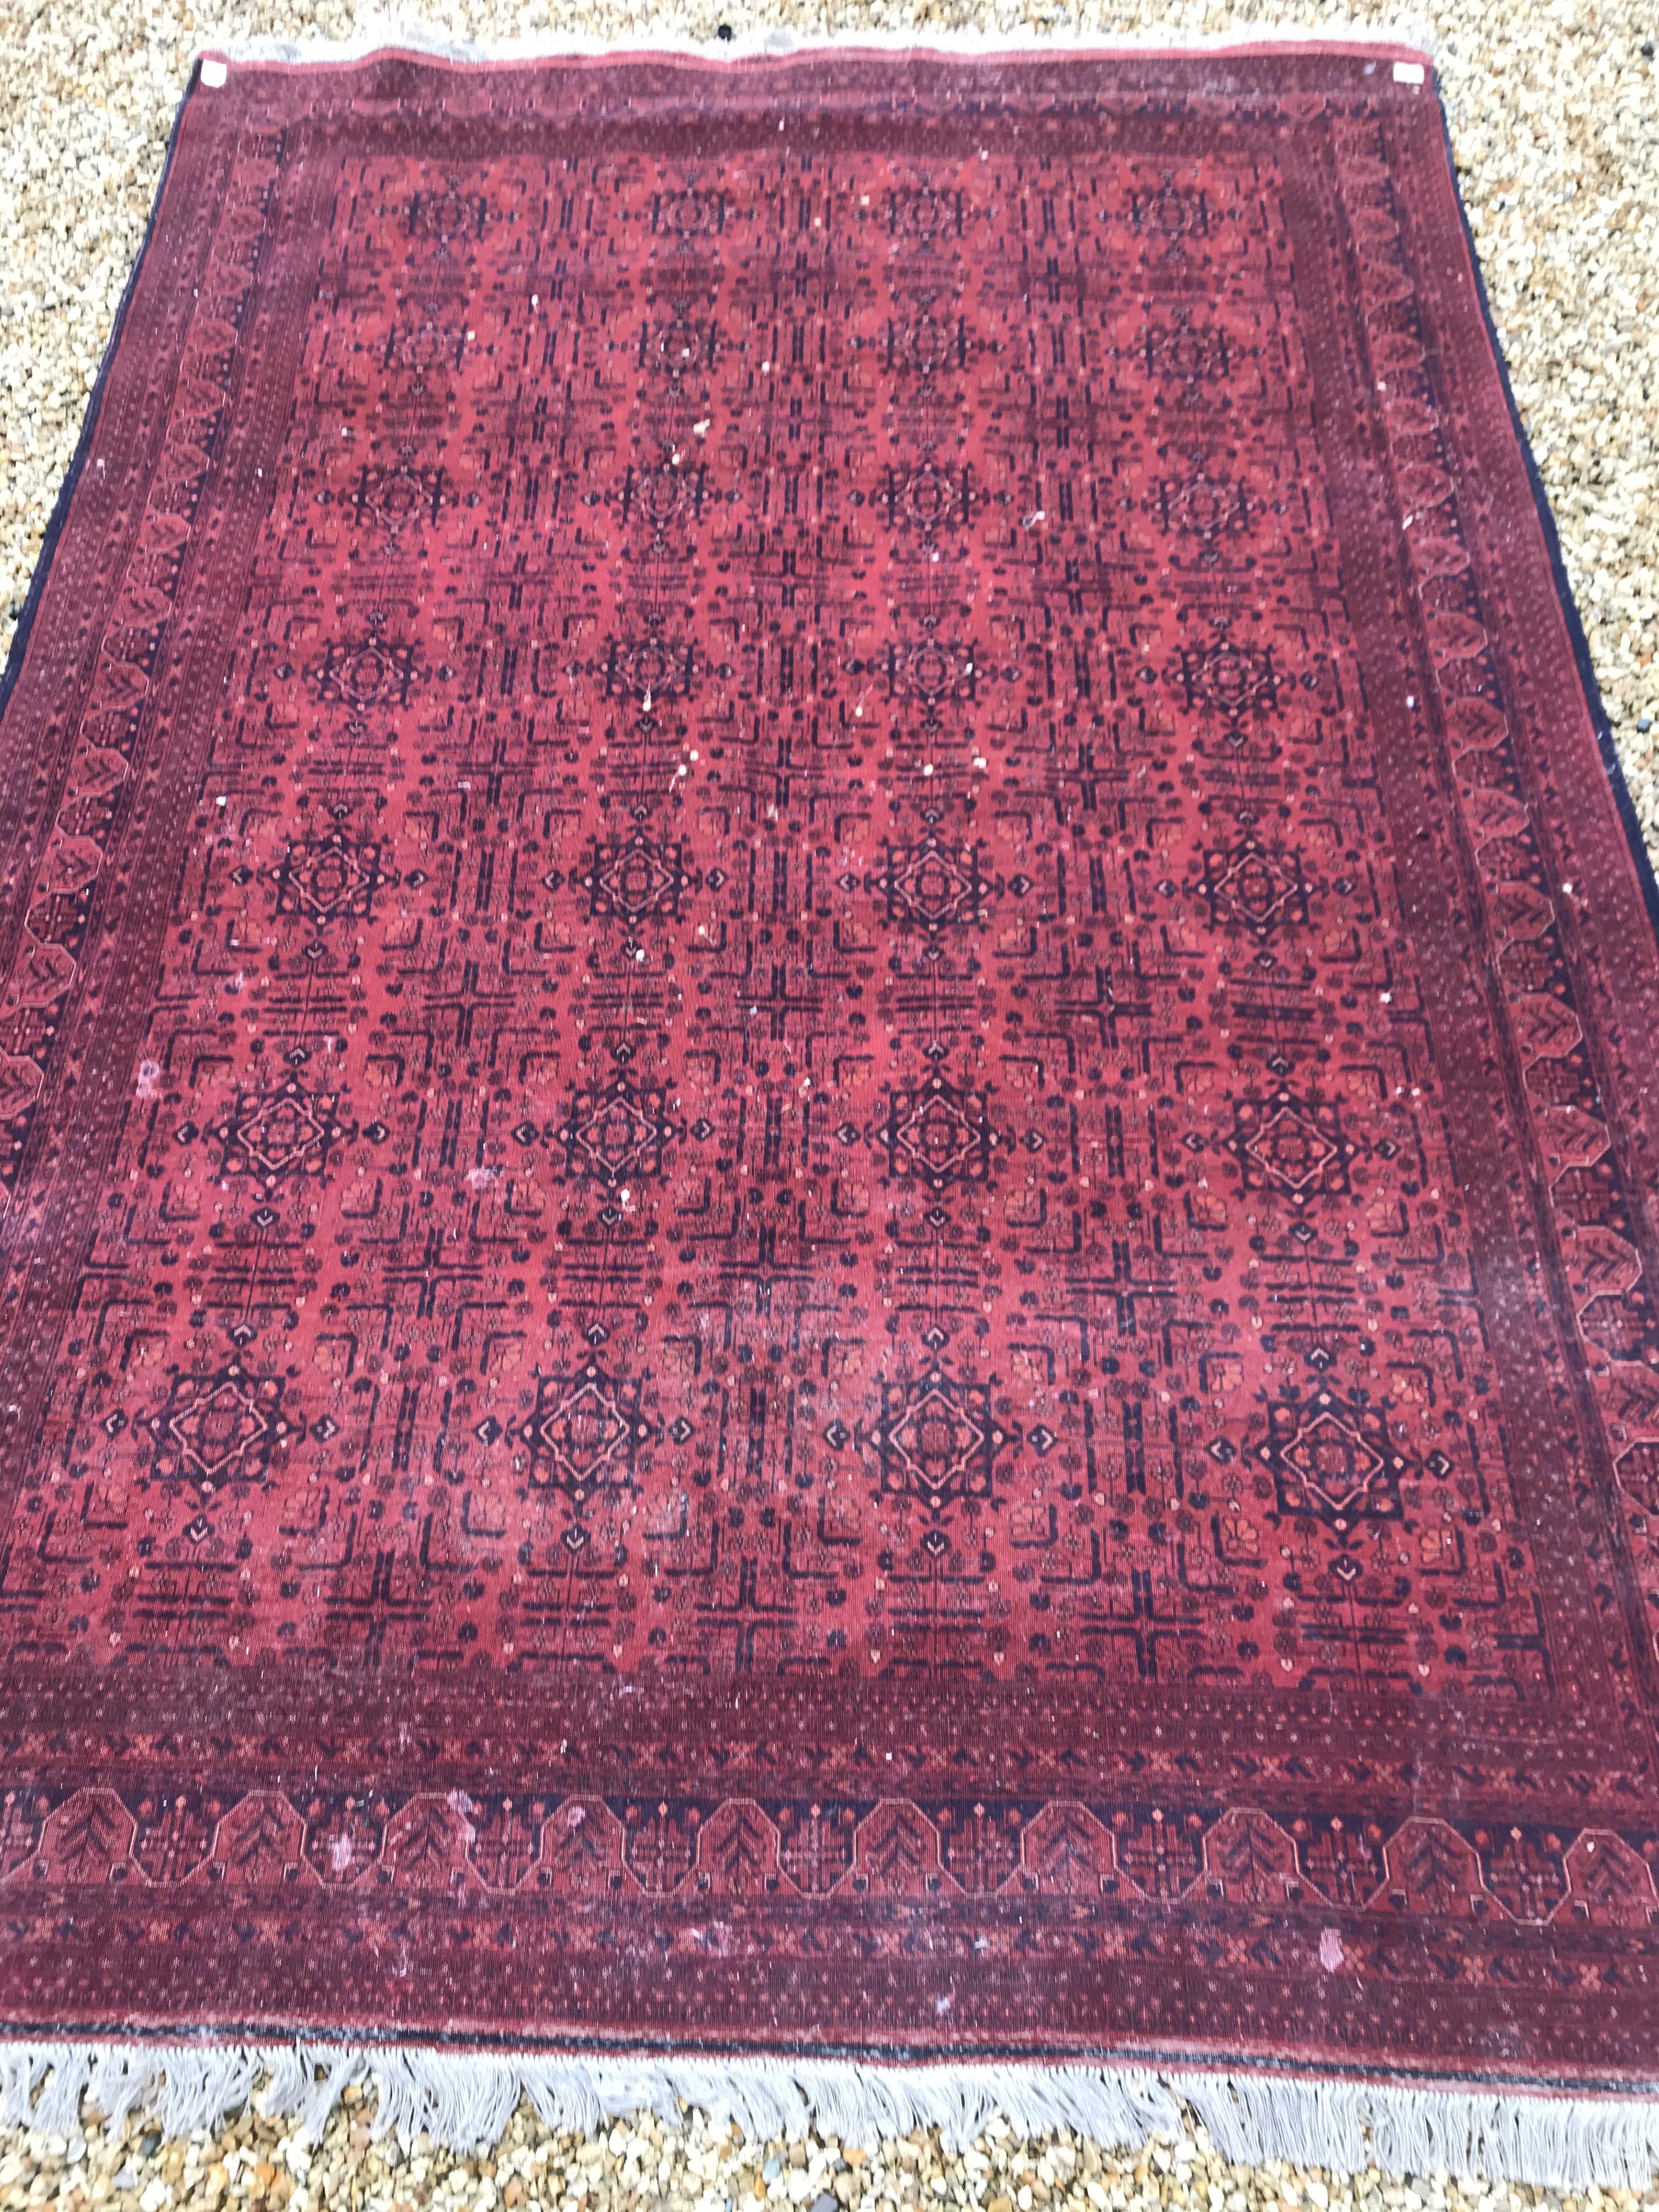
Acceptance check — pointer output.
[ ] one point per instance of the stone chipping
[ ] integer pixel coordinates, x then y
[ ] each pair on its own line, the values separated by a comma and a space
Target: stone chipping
1554, 113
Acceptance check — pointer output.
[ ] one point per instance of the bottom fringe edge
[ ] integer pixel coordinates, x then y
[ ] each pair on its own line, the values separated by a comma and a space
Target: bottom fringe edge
464, 2100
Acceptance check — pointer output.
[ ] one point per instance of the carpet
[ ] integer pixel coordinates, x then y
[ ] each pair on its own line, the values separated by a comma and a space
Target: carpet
828, 1128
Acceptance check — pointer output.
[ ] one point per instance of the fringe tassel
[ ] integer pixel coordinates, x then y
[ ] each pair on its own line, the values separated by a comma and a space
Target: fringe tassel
465, 2099
396, 33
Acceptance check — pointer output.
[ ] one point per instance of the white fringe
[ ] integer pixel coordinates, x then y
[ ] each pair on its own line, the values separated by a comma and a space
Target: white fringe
395, 34
465, 2099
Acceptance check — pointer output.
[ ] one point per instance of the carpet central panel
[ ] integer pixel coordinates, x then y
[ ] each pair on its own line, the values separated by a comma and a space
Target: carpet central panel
826, 1069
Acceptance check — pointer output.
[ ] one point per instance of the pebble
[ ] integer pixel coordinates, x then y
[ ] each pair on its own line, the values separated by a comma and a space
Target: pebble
1551, 110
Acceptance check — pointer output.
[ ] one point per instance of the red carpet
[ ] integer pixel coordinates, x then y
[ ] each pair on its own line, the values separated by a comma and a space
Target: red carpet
828, 1084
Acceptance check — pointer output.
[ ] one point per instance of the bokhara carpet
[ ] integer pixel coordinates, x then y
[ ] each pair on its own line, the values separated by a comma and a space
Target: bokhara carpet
830, 1136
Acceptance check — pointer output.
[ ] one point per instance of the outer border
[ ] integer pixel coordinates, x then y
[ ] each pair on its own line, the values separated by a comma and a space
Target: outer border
1641, 857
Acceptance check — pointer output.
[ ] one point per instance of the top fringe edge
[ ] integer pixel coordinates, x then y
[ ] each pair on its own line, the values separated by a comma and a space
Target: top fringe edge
394, 35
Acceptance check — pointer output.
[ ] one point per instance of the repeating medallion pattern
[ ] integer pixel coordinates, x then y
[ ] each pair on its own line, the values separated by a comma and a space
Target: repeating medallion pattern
803, 943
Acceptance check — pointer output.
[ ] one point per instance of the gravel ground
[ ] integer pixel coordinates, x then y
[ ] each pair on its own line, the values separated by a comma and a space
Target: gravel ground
700, 2167
1555, 125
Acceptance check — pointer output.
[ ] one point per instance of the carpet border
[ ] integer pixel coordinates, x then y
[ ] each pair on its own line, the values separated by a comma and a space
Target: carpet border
1601, 722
